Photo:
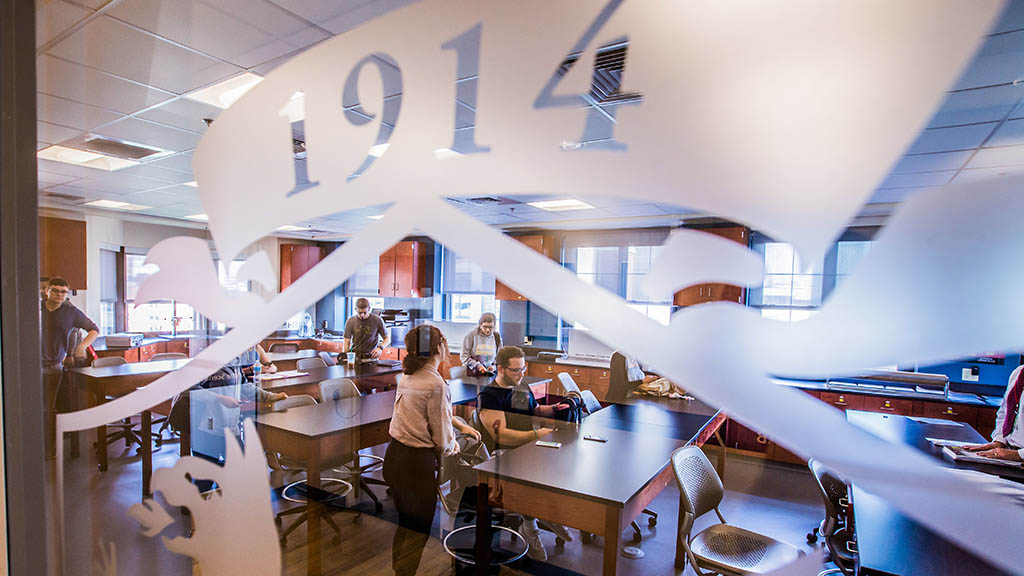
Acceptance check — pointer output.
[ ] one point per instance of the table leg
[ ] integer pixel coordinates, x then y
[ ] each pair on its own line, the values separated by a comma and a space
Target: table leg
482, 550
612, 534
146, 450
101, 437
680, 551
313, 511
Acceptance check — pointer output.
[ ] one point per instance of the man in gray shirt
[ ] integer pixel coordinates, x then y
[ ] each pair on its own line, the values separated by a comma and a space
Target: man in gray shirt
364, 331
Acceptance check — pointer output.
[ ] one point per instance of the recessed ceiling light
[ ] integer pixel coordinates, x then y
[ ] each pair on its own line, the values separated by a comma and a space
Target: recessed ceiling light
378, 150
192, 184
290, 228
377, 217
445, 154
224, 94
83, 158
114, 204
202, 217
559, 205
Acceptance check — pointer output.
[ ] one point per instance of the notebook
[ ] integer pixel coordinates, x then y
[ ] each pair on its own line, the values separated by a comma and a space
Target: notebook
959, 454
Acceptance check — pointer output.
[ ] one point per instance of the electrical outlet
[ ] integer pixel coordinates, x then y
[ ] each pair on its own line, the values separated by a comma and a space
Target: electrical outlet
968, 375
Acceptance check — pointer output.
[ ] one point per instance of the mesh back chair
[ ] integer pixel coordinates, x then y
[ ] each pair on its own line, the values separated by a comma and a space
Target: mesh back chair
167, 356
108, 361
835, 529
457, 372
568, 384
284, 464
721, 548
284, 347
310, 363
328, 358
590, 402
361, 465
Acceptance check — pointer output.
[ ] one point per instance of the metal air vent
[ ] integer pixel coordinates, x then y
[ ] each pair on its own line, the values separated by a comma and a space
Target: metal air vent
485, 201
118, 149
609, 64
63, 197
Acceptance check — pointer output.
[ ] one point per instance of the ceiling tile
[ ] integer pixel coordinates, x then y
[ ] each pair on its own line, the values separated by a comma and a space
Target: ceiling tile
150, 134
67, 169
75, 82
160, 173
55, 17
118, 183
1012, 18
318, 10
932, 162
47, 179
103, 44
898, 194
977, 105
53, 133
499, 219
182, 113
994, 157
1009, 134
917, 180
673, 209
635, 210
948, 139
73, 114
361, 14
244, 33
86, 191
181, 162
166, 197
979, 174
998, 62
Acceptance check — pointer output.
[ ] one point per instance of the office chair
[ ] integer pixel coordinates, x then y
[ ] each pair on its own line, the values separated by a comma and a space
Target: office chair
457, 372
310, 363
108, 361
590, 402
721, 548
568, 384
284, 347
283, 464
167, 356
328, 358
334, 390
835, 528
124, 429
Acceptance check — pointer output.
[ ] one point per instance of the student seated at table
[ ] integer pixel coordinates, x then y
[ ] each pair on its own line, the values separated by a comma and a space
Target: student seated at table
626, 374
480, 346
1008, 437
507, 407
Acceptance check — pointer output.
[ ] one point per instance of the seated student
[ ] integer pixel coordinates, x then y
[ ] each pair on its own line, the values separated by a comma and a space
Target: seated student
480, 346
1008, 437
626, 374
506, 410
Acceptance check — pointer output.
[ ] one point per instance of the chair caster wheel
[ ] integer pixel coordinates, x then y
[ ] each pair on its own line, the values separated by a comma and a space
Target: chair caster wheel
559, 542
811, 538
586, 537
652, 522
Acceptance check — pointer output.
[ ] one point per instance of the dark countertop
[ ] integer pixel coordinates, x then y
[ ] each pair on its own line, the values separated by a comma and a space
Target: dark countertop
100, 347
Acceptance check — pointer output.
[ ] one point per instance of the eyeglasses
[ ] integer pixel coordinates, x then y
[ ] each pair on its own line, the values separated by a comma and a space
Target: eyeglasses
515, 370
59, 290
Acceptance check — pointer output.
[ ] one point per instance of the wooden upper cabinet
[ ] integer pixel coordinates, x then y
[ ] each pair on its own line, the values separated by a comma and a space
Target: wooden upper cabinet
701, 293
62, 250
405, 271
296, 260
539, 244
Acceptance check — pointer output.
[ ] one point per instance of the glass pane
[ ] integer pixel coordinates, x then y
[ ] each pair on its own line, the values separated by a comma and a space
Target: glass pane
778, 258
781, 315
462, 275
777, 290
135, 272
229, 276
798, 315
151, 317
366, 280
107, 318
469, 307
848, 254
806, 290
608, 260
638, 259
662, 314
586, 260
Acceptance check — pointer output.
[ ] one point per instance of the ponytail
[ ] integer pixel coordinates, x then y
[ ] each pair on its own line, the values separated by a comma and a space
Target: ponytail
421, 344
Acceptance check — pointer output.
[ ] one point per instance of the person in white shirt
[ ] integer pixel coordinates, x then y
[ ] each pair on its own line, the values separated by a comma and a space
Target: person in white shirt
422, 428
1008, 437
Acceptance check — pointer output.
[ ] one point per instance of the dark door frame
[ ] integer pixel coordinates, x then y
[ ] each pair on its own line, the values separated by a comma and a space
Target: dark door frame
19, 293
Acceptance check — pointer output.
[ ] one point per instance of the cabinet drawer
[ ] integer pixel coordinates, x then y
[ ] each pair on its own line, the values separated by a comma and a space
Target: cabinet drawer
542, 370
580, 374
946, 411
986, 417
740, 437
390, 353
889, 405
843, 401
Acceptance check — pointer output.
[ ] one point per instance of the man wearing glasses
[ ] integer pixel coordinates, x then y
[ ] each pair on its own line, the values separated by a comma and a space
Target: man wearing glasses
59, 318
506, 410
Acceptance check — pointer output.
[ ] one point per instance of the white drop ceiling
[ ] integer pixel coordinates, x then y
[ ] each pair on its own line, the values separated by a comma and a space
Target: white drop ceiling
119, 68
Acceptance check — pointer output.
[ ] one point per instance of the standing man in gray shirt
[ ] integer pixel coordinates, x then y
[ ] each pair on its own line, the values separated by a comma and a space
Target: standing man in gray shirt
363, 333
59, 318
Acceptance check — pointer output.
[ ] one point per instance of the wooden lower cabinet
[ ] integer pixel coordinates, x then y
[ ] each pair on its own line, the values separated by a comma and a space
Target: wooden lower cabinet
454, 360
740, 437
178, 346
889, 405
843, 401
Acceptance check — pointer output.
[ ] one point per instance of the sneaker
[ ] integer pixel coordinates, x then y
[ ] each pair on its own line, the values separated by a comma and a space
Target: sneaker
532, 535
558, 530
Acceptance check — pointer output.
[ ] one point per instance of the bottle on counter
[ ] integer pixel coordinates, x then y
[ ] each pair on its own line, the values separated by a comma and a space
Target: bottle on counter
257, 373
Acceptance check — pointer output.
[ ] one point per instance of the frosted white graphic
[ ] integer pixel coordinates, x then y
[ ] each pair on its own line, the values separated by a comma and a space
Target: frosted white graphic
691, 257
782, 115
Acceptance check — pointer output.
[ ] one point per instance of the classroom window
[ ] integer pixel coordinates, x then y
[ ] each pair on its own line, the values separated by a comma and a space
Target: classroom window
469, 307
375, 304
158, 316
366, 280
622, 270
109, 292
468, 289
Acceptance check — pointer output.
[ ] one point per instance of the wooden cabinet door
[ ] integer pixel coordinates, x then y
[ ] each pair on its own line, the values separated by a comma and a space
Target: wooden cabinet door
742, 438
843, 401
947, 411
386, 283
62, 250
689, 296
390, 353
599, 382
405, 269
146, 352
503, 292
456, 360
889, 405
723, 292
179, 346
701, 293
580, 374
986, 421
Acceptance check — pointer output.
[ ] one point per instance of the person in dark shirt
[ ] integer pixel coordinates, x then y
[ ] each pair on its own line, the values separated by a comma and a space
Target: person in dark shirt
626, 374
363, 333
59, 318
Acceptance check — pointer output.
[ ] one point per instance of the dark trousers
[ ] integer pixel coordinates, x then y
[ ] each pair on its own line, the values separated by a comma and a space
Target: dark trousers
51, 405
411, 473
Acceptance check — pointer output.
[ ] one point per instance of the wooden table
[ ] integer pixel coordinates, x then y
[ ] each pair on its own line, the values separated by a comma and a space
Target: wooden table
889, 542
287, 360
369, 377
326, 432
598, 487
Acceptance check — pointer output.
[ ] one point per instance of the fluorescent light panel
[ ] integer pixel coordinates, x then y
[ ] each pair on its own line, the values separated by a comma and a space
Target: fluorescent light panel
377, 217
116, 205
201, 217
560, 205
192, 184
83, 158
224, 94
290, 228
